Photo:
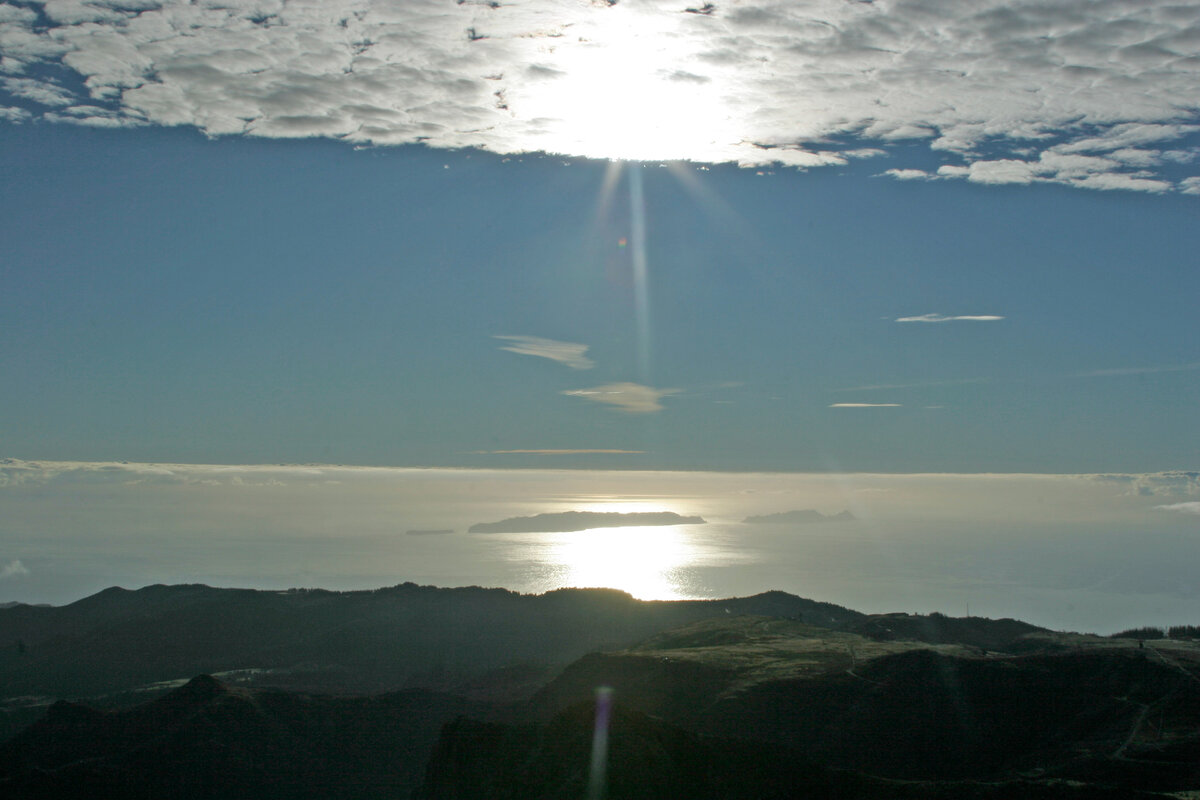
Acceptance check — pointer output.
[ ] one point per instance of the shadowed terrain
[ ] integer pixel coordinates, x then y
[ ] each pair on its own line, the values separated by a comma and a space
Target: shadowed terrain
765, 697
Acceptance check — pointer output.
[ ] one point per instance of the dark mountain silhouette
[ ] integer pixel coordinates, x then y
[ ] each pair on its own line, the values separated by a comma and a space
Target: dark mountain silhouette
208, 740
486, 642
766, 697
911, 710
650, 759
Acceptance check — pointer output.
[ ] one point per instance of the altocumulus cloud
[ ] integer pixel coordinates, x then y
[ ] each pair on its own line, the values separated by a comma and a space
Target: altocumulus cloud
632, 398
1099, 95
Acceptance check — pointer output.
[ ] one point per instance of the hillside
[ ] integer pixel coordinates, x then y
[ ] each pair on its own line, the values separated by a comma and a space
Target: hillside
466, 693
115, 646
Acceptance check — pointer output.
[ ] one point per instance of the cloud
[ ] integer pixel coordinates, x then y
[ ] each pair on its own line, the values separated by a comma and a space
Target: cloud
632, 398
1045, 91
865, 405
568, 353
944, 318
1108, 373
1056, 165
920, 385
16, 473
557, 452
909, 174
42, 92
1171, 483
1182, 508
13, 569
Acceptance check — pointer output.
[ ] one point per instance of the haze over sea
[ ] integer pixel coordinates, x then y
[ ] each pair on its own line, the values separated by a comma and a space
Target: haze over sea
1090, 552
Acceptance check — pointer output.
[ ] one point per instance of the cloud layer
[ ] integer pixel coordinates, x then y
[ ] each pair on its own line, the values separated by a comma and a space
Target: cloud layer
1100, 95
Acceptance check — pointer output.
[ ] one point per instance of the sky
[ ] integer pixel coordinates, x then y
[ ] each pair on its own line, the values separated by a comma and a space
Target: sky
890, 236
823, 236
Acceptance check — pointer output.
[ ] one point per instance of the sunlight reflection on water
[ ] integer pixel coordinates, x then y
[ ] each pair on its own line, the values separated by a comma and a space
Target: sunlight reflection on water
650, 563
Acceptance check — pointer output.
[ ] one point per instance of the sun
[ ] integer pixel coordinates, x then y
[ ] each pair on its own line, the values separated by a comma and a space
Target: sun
620, 94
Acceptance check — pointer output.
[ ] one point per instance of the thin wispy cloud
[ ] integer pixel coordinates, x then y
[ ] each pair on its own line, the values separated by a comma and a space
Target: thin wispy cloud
1171, 483
569, 354
1182, 508
1092, 95
919, 385
947, 318
1109, 373
580, 452
13, 569
865, 405
631, 398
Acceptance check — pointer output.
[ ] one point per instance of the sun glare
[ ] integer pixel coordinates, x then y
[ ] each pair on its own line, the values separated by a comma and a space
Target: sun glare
642, 561
621, 95
619, 506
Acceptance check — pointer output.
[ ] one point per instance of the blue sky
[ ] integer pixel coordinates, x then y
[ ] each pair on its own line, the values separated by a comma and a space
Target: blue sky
260, 233
726, 259
173, 298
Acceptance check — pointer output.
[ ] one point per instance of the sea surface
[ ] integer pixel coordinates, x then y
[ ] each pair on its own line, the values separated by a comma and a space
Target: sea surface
1068, 552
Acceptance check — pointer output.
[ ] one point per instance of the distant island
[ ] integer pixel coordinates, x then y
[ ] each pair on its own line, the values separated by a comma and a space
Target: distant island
583, 520
802, 516
429, 531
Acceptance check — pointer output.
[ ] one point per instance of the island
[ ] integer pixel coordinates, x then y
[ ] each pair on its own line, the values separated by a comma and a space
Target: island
567, 521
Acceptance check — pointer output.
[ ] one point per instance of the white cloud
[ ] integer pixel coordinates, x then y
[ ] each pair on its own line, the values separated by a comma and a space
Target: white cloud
569, 353
945, 318
43, 92
633, 398
865, 405
1115, 180
13, 569
1128, 135
1004, 90
1110, 373
1190, 185
1064, 165
1172, 483
587, 452
1182, 508
908, 174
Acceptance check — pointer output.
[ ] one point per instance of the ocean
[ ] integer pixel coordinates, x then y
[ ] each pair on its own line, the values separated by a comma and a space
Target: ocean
1086, 553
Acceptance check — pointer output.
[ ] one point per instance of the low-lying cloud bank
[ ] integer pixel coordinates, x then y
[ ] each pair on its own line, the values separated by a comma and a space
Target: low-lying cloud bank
799, 517
1098, 95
